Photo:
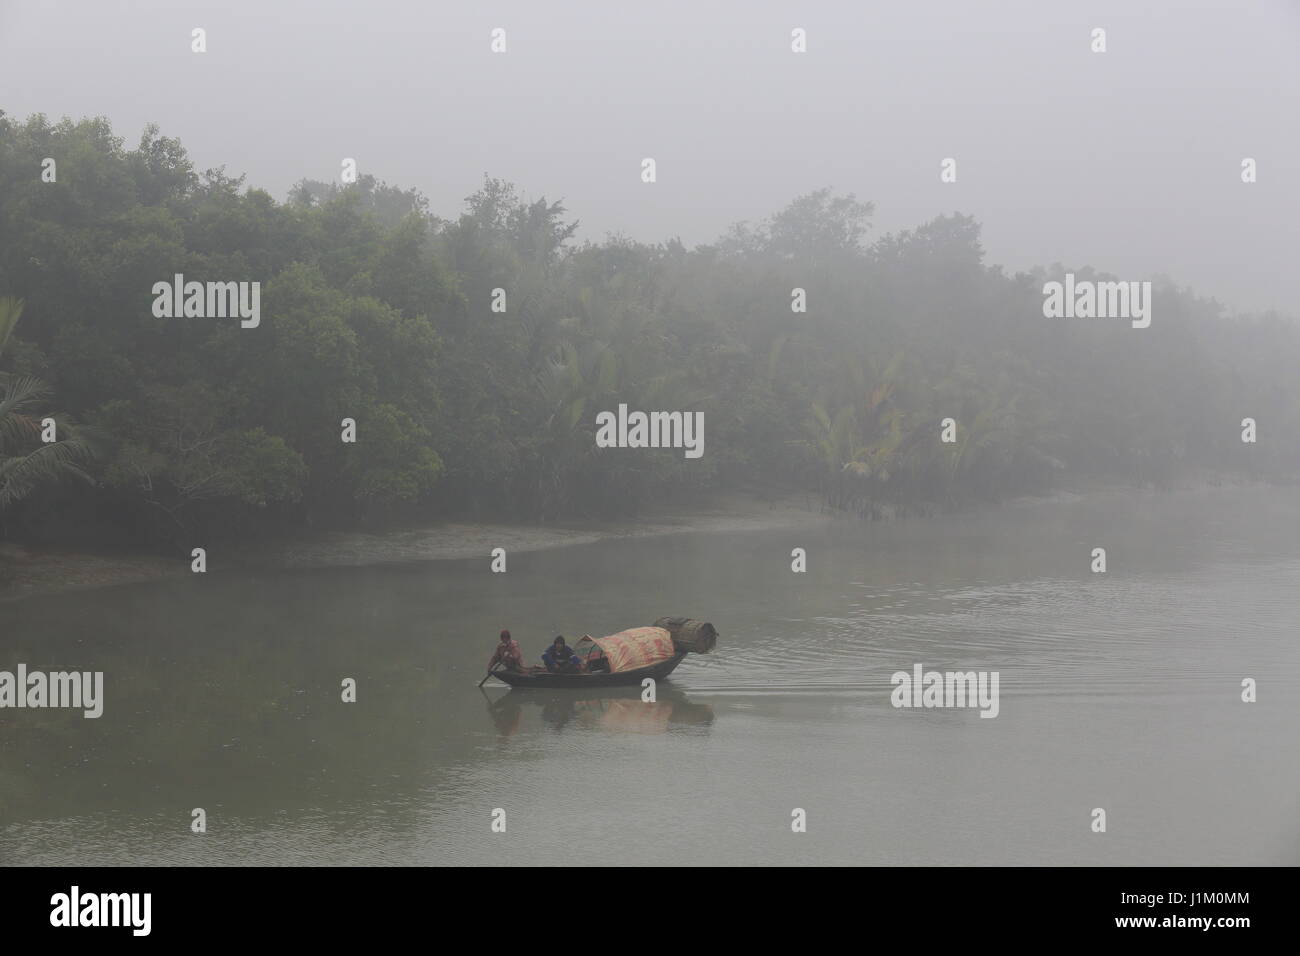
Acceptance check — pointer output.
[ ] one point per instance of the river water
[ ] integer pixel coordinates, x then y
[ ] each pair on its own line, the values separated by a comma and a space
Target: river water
1120, 691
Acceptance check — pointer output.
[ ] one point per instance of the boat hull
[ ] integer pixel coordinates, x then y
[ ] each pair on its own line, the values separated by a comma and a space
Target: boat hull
546, 679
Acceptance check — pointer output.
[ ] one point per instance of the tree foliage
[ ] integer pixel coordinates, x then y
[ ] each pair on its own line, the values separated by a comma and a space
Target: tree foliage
377, 311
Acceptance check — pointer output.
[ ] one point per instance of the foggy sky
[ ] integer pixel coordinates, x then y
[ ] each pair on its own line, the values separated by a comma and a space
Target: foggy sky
1128, 161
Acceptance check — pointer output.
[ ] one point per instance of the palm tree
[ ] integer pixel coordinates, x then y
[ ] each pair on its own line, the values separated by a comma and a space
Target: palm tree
834, 440
27, 463
569, 383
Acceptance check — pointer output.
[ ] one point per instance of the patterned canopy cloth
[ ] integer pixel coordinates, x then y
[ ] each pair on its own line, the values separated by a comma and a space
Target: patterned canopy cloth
628, 650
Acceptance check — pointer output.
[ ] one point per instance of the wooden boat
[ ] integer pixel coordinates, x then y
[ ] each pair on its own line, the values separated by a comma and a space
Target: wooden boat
624, 659
544, 678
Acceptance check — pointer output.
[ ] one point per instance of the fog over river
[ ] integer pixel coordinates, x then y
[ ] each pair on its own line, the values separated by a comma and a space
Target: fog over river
1118, 690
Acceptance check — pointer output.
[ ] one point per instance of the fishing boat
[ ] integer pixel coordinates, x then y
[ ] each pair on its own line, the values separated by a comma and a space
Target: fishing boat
541, 677
625, 658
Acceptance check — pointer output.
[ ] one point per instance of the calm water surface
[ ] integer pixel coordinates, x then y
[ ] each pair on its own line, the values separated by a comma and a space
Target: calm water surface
1119, 691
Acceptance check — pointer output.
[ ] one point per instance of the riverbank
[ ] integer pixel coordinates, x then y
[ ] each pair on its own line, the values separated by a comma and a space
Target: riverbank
28, 572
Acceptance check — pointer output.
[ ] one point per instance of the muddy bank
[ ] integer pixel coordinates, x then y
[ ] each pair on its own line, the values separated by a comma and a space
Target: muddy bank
28, 572
464, 540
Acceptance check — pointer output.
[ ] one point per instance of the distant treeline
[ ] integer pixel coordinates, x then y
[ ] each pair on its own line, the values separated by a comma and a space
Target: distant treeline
376, 310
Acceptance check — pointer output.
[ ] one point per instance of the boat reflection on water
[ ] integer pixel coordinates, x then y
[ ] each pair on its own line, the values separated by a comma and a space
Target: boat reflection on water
611, 709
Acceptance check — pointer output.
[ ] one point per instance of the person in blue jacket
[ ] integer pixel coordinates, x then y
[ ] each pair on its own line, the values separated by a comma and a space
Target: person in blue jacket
560, 659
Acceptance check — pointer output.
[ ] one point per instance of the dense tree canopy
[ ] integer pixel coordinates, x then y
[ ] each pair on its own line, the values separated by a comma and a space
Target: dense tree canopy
375, 310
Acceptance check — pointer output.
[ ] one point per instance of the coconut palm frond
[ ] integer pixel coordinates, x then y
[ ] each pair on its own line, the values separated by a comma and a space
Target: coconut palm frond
21, 475
10, 310
18, 393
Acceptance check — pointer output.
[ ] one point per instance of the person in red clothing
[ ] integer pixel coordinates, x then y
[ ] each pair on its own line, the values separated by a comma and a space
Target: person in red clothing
508, 653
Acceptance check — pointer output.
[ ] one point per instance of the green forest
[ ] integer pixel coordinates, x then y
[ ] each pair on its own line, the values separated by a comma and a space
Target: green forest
375, 308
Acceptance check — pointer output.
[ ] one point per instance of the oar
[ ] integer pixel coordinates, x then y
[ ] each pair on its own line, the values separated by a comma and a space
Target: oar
490, 672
